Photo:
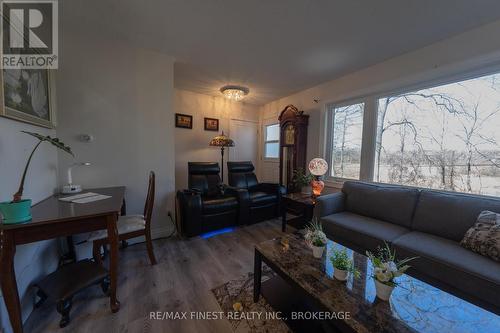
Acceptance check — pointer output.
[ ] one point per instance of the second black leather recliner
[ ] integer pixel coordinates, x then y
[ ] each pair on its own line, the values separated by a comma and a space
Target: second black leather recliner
205, 205
264, 198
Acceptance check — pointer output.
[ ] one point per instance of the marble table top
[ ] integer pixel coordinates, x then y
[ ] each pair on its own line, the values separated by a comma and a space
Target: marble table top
415, 306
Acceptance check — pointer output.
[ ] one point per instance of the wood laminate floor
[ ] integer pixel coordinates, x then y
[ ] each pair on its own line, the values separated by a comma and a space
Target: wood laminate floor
182, 280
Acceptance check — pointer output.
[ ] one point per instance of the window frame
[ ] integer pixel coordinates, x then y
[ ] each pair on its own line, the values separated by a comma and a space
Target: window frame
265, 142
330, 110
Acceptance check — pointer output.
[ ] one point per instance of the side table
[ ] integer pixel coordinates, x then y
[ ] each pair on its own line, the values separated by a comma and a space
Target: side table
302, 206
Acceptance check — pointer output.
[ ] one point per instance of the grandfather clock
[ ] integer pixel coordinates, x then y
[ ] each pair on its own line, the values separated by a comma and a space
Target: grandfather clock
293, 144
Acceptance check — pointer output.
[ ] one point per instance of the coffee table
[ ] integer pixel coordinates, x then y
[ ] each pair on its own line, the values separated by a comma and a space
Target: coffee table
415, 306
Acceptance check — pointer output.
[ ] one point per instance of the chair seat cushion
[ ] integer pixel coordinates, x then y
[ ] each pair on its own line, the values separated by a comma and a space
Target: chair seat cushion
217, 205
365, 232
446, 260
125, 225
262, 198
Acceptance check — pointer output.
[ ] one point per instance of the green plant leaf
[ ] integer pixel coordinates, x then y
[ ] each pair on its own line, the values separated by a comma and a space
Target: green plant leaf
54, 141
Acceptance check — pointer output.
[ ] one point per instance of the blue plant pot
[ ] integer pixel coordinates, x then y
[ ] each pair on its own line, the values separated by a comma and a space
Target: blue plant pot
15, 212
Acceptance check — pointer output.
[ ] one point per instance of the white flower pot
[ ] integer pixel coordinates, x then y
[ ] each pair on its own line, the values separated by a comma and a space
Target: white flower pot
383, 291
317, 251
306, 190
340, 274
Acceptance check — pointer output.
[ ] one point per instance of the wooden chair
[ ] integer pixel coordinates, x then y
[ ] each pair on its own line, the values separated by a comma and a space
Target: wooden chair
130, 226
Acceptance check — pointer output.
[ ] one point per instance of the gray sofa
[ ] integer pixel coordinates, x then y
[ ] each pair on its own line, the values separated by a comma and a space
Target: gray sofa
417, 222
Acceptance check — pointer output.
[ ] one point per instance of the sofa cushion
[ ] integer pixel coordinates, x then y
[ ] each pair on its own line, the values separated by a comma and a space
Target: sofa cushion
219, 205
448, 214
484, 236
389, 203
262, 198
445, 260
365, 232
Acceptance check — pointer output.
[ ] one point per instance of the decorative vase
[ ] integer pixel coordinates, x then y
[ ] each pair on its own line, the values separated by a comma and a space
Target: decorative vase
340, 274
306, 190
383, 291
15, 212
317, 186
317, 251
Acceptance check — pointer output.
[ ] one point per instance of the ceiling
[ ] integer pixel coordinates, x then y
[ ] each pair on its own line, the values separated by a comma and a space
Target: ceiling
277, 47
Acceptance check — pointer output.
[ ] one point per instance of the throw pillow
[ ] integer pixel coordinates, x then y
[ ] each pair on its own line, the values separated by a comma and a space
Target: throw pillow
484, 236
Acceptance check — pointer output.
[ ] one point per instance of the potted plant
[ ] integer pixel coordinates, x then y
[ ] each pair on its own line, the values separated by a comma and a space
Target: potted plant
342, 265
385, 270
316, 238
302, 181
19, 210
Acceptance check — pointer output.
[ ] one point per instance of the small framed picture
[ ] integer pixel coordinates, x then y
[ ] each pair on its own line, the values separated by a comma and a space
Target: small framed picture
183, 121
211, 124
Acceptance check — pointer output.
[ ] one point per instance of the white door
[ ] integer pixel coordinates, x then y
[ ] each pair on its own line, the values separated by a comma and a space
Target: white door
246, 137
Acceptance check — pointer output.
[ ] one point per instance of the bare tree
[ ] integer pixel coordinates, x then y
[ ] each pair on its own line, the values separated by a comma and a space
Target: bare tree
344, 119
440, 100
474, 139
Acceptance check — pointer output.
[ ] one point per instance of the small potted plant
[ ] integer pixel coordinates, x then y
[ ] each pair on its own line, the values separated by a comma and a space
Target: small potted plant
302, 181
316, 238
19, 210
342, 265
385, 270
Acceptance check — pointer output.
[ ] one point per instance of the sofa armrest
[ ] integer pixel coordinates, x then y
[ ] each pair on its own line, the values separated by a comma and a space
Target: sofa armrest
271, 188
190, 208
329, 204
243, 198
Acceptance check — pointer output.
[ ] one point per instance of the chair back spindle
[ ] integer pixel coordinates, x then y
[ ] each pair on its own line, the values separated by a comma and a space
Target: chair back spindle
150, 199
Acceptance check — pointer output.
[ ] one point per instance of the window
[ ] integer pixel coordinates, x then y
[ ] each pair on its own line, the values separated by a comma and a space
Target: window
347, 124
272, 141
444, 137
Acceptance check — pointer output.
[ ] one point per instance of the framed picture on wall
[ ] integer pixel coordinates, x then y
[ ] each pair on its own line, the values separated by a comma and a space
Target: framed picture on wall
211, 124
183, 121
27, 95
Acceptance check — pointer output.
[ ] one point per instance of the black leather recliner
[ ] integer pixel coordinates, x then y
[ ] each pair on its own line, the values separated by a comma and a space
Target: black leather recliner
204, 207
263, 198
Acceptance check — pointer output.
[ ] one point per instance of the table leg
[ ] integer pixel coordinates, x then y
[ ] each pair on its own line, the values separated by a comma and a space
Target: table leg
8, 281
283, 217
257, 275
113, 261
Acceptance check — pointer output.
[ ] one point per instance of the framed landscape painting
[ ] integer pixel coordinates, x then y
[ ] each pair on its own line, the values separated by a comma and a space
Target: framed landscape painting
211, 124
183, 120
27, 96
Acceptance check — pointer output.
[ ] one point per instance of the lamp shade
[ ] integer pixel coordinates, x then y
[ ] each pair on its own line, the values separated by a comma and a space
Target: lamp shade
221, 141
318, 166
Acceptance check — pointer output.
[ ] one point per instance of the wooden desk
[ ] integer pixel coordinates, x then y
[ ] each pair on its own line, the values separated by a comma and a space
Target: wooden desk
53, 218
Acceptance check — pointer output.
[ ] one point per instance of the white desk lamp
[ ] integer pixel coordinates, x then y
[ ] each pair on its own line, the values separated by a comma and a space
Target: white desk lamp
70, 187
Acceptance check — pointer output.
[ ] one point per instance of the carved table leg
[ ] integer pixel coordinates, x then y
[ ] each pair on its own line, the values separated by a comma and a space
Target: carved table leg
113, 261
64, 307
257, 275
8, 280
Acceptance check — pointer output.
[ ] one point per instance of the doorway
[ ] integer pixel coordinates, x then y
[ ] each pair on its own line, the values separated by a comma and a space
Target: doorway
245, 134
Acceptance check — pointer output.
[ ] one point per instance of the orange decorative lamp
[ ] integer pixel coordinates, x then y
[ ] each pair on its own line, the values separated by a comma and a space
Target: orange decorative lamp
318, 167
222, 141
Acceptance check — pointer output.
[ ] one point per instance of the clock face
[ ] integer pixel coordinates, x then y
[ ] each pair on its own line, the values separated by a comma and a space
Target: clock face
318, 167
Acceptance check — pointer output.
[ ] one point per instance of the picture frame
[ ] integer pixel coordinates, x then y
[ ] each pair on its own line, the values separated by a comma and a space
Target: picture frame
28, 95
211, 124
183, 121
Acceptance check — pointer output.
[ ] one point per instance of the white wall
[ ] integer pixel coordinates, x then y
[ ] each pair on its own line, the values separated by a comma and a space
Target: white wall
192, 144
32, 261
469, 53
122, 96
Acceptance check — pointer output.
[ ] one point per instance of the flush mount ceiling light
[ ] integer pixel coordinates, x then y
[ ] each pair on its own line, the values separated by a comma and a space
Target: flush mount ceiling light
235, 93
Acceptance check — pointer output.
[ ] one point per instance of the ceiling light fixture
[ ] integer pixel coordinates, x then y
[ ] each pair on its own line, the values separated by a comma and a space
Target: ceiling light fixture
235, 93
